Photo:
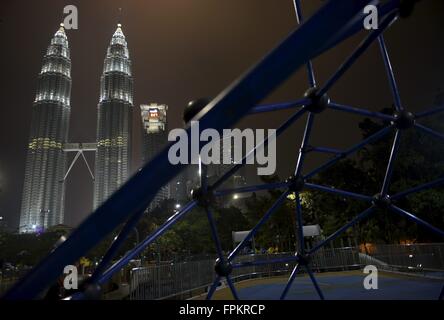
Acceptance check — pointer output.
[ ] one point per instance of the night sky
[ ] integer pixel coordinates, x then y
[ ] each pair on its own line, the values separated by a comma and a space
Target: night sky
186, 49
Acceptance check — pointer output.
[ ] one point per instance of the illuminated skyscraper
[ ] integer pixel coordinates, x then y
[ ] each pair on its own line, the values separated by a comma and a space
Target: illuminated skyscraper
114, 120
154, 129
43, 191
154, 139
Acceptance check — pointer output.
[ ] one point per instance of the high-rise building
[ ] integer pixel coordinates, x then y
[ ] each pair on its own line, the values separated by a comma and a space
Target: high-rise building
114, 120
154, 139
236, 180
182, 185
43, 191
154, 129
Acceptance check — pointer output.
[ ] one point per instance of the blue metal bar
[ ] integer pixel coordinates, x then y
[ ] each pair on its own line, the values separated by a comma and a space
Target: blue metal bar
224, 111
300, 19
374, 137
390, 75
279, 131
215, 234
267, 186
429, 112
338, 232
304, 145
213, 288
325, 150
417, 220
146, 242
311, 76
220, 254
300, 224
362, 112
421, 187
232, 288
290, 282
441, 295
117, 243
253, 231
356, 24
391, 163
357, 53
279, 106
315, 282
430, 131
264, 262
339, 192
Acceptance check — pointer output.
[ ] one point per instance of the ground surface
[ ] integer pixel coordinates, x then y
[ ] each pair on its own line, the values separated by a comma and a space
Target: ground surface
338, 286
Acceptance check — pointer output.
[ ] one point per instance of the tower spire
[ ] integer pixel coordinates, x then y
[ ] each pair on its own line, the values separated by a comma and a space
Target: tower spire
119, 18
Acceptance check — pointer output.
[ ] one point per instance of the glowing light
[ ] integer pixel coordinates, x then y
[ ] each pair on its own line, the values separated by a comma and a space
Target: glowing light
236, 196
178, 206
291, 196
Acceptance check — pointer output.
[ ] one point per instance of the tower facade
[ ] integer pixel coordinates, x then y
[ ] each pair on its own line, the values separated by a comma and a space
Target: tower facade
112, 164
154, 139
43, 191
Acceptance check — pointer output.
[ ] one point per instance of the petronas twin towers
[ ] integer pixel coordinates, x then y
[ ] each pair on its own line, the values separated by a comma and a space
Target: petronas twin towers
43, 191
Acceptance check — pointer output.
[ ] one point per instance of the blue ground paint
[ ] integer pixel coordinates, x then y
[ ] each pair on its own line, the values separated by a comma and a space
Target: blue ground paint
349, 287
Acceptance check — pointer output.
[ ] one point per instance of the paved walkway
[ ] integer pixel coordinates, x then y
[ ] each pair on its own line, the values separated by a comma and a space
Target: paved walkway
339, 286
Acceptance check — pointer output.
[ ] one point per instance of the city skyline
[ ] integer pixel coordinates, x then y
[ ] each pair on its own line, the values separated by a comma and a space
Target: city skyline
45, 173
43, 195
202, 69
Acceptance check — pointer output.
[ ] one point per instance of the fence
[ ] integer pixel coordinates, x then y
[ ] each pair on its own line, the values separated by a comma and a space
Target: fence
186, 279
416, 259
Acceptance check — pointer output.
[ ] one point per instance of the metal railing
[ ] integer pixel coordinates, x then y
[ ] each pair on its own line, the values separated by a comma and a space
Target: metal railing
417, 259
185, 279
191, 278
